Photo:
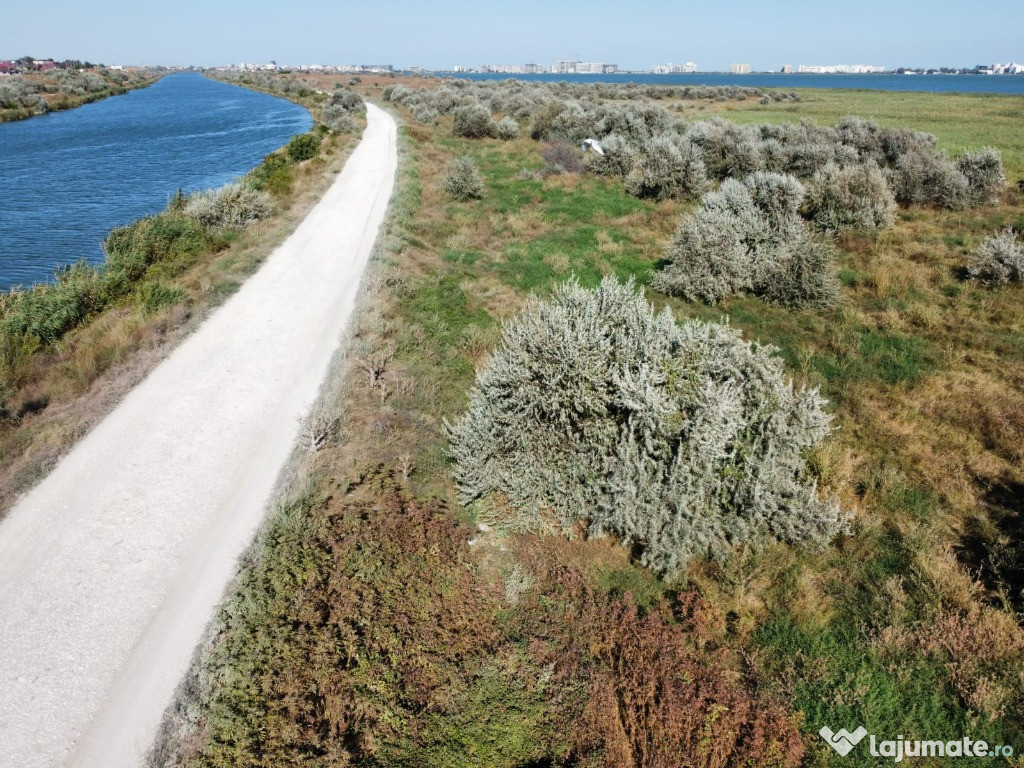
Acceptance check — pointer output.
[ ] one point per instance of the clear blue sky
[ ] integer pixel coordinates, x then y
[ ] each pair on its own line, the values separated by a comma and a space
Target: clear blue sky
631, 33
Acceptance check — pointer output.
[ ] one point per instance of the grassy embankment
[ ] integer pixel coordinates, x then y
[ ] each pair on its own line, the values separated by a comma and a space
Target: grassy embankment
366, 630
69, 351
29, 95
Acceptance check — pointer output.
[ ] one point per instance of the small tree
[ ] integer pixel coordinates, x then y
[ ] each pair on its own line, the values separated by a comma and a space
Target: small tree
462, 180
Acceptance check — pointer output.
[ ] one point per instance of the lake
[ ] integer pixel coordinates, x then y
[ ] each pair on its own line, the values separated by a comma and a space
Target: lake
1006, 84
67, 178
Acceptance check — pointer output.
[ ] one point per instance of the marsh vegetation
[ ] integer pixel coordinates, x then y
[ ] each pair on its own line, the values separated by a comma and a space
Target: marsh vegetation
819, 499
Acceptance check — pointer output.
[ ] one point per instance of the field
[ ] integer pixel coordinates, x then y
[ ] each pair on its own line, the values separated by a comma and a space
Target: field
961, 121
377, 622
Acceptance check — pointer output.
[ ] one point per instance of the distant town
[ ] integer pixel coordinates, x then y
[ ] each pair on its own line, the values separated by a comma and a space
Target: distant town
28, 64
579, 67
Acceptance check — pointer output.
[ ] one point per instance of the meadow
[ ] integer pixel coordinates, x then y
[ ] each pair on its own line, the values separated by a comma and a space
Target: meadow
378, 621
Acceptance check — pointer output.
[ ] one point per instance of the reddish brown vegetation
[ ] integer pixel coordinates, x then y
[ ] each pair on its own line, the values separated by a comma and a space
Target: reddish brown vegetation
371, 632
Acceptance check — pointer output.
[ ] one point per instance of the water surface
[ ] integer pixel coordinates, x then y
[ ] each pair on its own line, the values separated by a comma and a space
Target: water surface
68, 177
1006, 84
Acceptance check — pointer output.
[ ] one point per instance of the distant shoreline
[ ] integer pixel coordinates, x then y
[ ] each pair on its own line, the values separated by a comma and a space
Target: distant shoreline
74, 102
1005, 85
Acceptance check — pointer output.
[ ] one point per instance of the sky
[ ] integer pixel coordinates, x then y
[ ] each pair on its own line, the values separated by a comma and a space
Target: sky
635, 34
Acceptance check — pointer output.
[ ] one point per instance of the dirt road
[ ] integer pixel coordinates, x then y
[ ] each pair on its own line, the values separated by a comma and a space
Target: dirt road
111, 568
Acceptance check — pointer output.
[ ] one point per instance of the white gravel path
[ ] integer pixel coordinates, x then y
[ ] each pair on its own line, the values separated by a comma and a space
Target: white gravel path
111, 568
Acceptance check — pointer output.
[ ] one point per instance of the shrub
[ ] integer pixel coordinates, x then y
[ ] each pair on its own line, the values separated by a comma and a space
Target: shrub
507, 129
984, 173
462, 180
801, 275
561, 158
347, 100
854, 197
926, 176
47, 312
303, 146
232, 206
635, 121
667, 167
683, 440
543, 119
338, 119
727, 149
173, 239
273, 175
425, 114
618, 159
999, 260
472, 122
749, 237
153, 297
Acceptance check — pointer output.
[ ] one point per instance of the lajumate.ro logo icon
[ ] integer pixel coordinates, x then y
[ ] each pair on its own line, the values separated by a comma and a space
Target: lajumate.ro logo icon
843, 742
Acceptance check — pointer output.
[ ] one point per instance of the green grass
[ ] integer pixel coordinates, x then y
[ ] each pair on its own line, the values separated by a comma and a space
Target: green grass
961, 121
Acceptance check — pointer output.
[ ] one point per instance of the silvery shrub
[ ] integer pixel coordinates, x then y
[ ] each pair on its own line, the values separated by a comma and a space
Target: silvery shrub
683, 440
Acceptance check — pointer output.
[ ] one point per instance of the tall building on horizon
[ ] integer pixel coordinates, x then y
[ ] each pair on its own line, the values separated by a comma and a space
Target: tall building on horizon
739, 69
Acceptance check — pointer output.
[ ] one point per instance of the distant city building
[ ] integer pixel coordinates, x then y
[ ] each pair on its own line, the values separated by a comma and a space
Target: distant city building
739, 69
841, 69
675, 69
787, 69
1007, 69
570, 67
514, 69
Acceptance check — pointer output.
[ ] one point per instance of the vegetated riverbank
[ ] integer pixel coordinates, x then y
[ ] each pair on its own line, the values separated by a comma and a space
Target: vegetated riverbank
70, 350
374, 623
30, 95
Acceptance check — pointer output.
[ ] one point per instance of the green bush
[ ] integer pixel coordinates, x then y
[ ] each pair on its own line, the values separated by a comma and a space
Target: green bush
152, 297
175, 239
303, 146
682, 440
273, 175
47, 312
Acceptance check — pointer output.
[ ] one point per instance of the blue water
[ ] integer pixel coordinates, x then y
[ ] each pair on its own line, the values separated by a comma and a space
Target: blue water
1007, 84
68, 177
